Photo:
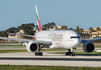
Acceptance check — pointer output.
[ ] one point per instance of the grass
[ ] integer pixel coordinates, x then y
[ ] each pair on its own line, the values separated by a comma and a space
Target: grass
12, 45
33, 67
9, 42
79, 53
12, 51
54, 50
92, 53
97, 46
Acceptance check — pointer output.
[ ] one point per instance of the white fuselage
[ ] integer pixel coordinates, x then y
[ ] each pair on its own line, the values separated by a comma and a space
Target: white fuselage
60, 38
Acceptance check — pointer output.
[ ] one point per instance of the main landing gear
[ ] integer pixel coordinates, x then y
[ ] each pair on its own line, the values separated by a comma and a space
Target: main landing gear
38, 53
70, 53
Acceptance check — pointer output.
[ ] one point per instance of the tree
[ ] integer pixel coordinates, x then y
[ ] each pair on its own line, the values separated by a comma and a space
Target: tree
91, 30
70, 28
80, 31
44, 27
48, 26
98, 29
36, 26
28, 28
3, 34
77, 29
12, 30
52, 25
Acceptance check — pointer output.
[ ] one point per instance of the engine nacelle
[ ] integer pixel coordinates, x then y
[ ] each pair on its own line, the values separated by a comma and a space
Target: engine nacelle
88, 47
32, 46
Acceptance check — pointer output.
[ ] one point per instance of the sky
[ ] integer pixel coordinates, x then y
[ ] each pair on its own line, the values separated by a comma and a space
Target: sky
84, 13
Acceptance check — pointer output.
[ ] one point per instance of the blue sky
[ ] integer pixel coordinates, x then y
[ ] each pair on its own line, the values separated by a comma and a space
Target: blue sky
85, 13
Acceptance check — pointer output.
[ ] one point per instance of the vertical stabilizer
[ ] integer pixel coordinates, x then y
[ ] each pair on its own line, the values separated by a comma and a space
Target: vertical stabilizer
38, 20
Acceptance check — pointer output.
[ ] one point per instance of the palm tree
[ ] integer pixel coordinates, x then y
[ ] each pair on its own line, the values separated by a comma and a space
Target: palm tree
98, 29
91, 30
77, 29
80, 31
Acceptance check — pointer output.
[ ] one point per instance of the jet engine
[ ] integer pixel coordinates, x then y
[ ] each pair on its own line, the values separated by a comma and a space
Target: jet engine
88, 47
32, 46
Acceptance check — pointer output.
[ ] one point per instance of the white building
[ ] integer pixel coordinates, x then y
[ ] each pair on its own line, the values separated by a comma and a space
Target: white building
86, 32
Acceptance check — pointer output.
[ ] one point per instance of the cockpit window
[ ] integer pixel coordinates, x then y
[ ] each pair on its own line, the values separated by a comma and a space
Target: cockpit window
74, 37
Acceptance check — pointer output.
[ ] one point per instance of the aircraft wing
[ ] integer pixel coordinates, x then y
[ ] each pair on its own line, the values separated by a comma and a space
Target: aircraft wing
15, 39
92, 39
27, 40
22, 34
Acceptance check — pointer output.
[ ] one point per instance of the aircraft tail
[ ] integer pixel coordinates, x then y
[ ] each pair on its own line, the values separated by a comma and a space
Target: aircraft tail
38, 20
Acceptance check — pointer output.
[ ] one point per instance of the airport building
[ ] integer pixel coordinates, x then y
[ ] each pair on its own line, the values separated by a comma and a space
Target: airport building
59, 27
96, 34
19, 36
86, 32
96, 28
16, 36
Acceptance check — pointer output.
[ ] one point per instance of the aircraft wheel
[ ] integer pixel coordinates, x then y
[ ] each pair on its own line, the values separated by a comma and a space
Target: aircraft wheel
40, 53
68, 53
72, 54
36, 53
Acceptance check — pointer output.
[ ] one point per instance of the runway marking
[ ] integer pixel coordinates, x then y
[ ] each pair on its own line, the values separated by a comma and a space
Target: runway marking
52, 59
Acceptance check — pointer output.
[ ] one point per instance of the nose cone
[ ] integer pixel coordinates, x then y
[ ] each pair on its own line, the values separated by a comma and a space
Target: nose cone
76, 43
74, 39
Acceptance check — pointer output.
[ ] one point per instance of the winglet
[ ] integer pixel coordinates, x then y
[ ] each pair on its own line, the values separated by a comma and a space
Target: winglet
38, 20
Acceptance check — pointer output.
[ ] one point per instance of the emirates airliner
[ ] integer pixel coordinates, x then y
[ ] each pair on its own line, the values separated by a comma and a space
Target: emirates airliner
66, 39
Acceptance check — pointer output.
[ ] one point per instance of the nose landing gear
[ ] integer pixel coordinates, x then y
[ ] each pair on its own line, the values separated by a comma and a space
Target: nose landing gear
70, 53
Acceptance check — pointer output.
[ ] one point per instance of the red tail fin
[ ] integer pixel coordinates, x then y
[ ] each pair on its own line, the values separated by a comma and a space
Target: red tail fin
38, 20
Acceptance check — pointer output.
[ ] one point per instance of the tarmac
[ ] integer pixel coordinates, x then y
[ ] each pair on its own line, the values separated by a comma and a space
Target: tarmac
28, 58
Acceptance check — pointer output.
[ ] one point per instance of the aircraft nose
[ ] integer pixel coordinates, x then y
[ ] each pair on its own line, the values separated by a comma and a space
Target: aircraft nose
76, 43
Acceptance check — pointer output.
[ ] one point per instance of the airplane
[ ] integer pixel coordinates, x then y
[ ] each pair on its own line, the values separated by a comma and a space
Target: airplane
67, 39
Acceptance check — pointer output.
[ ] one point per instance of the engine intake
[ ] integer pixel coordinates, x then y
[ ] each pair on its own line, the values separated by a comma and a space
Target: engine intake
32, 46
88, 47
